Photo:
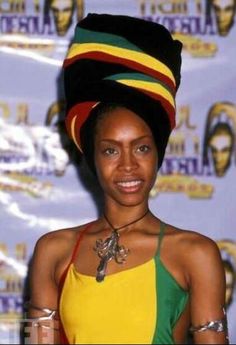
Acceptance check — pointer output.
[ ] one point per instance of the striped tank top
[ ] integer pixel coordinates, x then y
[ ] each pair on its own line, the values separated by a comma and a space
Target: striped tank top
140, 305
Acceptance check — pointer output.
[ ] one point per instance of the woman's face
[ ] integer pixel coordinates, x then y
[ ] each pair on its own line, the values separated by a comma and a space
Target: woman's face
221, 146
125, 157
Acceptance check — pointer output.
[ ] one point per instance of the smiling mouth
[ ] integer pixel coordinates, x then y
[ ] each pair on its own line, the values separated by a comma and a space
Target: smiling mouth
132, 186
128, 184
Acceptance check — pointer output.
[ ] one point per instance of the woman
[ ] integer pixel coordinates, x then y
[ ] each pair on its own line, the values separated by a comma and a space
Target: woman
126, 277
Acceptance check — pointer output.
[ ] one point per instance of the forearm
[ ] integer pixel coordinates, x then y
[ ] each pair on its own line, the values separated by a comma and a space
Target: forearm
41, 332
42, 326
211, 337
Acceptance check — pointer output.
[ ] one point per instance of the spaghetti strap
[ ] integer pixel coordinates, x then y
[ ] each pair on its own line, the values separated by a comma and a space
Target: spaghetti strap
76, 247
161, 235
75, 250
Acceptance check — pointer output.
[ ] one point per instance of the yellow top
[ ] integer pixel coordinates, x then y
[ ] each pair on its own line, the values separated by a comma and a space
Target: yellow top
140, 305
112, 312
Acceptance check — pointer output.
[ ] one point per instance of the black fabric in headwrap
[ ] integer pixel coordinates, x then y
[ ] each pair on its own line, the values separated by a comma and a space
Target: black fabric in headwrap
126, 61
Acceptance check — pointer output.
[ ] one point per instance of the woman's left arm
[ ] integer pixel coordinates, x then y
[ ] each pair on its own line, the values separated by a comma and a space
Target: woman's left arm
207, 293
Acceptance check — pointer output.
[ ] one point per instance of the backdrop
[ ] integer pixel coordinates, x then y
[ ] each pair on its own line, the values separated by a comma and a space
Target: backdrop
41, 188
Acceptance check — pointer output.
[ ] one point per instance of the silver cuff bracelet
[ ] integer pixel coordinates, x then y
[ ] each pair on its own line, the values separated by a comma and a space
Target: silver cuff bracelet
49, 315
216, 326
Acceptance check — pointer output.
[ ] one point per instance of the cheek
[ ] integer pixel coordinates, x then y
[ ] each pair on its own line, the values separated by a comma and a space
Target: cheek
154, 162
103, 169
151, 168
154, 174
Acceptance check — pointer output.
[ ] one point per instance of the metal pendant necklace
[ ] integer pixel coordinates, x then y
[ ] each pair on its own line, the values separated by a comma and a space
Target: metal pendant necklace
110, 248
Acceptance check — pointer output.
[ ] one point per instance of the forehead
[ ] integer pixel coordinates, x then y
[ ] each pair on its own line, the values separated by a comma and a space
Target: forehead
121, 121
223, 3
220, 141
61, 4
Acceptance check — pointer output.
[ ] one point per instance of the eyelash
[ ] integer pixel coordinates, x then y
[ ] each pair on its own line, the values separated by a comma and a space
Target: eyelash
146, 148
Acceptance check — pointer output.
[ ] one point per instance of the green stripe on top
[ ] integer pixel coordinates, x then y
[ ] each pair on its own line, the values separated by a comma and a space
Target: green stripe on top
171, 300
88, 36
141, 77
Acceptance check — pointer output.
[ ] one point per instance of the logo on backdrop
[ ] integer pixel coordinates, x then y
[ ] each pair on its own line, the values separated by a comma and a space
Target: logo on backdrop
57, 17
62, 12
228, 253
220, 137
190, 156
223, 12
197, 17
40, 17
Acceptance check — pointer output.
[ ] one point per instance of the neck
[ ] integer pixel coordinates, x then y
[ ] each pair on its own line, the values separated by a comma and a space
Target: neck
131, 220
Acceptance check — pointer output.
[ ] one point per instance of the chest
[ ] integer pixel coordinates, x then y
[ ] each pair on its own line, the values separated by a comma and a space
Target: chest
123, 253
128, 307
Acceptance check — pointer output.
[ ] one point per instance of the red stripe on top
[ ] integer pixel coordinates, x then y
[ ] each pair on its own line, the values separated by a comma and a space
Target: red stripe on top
75, 251
100, 56
63, 337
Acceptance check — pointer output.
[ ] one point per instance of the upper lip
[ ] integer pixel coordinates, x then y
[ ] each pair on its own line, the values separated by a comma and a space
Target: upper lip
128, 179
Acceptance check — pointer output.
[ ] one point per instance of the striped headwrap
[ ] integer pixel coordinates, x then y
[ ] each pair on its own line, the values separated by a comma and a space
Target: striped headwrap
124, 60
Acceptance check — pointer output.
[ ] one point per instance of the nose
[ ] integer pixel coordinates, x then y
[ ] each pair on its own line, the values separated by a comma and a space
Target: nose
128, 161
60, 16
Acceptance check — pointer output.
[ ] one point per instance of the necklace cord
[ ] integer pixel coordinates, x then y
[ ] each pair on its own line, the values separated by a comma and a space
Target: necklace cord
123, 226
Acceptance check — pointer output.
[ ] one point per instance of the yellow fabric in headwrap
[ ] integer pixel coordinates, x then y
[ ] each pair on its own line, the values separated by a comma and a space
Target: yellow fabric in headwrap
152, 87
141, 58
73, 134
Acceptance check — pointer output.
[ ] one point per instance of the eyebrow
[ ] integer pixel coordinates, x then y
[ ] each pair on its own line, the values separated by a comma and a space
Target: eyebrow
133, 141
228, 7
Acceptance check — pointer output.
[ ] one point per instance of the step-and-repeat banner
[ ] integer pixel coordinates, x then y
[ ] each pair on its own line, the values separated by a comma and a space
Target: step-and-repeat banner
41, 188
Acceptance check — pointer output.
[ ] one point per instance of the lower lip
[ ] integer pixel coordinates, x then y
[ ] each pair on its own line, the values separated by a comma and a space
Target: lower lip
131, 189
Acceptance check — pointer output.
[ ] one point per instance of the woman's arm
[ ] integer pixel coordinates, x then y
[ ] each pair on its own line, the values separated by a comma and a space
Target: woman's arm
42, 326
207, 292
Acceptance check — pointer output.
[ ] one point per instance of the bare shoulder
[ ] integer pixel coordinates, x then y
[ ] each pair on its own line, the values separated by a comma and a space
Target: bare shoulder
57, 243
196, 249
197, 245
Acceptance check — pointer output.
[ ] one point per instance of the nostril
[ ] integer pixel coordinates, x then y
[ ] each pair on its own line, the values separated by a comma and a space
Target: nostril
128, 163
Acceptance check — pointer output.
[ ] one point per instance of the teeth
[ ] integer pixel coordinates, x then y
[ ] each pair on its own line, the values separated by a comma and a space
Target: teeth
129, 183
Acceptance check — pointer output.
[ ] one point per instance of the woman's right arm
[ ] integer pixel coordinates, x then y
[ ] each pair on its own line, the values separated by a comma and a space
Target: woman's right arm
42, 326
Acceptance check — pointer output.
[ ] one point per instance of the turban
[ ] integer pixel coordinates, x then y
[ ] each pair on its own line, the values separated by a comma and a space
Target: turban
122, 60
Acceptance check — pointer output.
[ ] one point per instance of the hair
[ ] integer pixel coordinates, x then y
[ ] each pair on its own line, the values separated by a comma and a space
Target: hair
160, 131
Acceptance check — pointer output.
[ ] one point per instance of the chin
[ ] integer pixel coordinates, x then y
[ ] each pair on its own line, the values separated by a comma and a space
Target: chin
131, 200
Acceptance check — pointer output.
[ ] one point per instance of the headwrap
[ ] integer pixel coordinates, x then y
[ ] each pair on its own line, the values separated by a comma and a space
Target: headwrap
122, 60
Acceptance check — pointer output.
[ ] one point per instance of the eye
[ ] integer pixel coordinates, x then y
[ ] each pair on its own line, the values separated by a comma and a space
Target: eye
144, 148
213, 149
109, 151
